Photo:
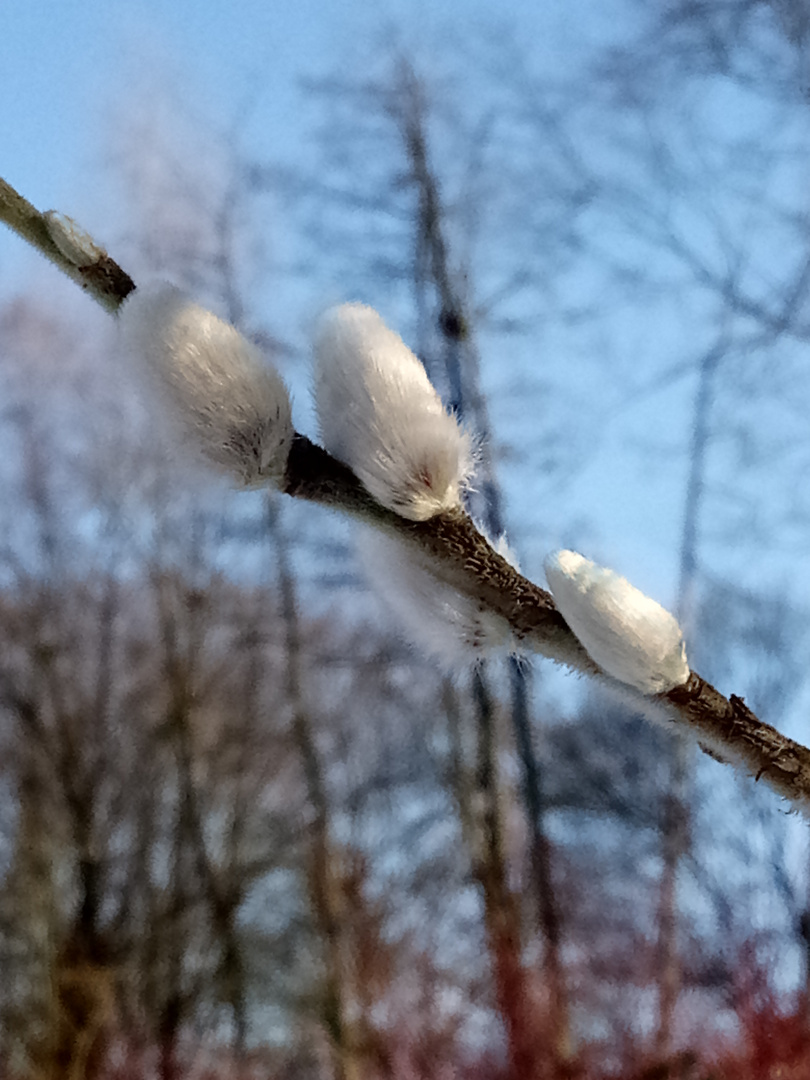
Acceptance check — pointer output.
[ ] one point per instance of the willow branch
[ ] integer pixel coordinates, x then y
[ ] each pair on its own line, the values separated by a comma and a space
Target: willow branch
452, 544
61, 242
726, 727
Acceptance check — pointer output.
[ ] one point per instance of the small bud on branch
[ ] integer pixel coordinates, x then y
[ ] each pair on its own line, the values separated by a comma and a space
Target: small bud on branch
75, 244
430, 520
102, 278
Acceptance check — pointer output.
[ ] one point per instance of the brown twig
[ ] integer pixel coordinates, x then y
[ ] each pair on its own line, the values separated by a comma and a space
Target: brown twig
88, 265
457, 552
462, 556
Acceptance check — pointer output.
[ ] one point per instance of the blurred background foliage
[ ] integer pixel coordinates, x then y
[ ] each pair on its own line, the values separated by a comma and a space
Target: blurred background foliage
245, 830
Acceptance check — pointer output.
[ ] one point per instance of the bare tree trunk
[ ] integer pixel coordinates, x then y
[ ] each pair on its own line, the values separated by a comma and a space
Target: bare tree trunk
323, 875
84, 976
675, 840
31, 929
675, 825
545, 894
476, 790
461, 368
223, 890
515, 989
804, 933
167, 1064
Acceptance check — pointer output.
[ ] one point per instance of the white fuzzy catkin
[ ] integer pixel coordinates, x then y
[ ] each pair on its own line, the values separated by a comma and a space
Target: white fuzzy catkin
214, 383
630, 636
443, 623
380, 415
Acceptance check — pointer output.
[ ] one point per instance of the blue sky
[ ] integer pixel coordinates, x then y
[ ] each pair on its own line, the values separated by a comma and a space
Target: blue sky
66, 66
66, 69
64, 63
61, 63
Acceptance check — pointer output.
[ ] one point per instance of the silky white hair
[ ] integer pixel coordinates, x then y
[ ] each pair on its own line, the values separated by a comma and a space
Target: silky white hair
380, 415
629, 636
215, 385
450, 627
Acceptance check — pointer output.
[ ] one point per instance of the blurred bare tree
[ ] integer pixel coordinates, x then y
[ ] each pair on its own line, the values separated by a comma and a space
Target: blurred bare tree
235, 835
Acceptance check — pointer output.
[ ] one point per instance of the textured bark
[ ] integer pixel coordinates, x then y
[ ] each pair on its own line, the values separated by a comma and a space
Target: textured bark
461, 556
725, 727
